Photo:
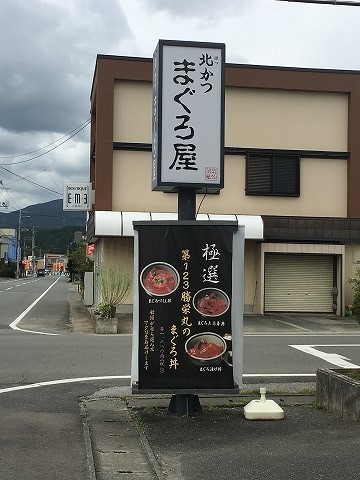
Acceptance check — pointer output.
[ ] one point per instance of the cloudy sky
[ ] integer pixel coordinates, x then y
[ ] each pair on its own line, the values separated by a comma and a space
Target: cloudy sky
48, 50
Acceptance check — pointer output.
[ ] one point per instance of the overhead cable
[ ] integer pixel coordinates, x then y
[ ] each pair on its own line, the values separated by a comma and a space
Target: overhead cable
32, 183
50, 150
325, 2
83, 125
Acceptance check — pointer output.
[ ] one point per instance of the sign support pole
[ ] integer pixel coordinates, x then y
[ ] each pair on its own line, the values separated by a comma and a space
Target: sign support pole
195, 114
187, 204
185, 404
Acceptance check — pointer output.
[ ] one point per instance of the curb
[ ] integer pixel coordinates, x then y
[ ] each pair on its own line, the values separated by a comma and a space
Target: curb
88, 444
148, 450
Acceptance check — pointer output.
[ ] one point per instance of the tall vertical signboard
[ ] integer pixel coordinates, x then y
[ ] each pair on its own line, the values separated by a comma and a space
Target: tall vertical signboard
187, 312
188, 116
188, 282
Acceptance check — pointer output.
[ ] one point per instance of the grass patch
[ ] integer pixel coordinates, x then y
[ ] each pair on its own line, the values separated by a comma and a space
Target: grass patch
354, 374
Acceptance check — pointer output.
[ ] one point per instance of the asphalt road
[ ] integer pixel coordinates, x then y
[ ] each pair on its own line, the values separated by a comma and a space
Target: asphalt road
285, 345
41, 433
46, 367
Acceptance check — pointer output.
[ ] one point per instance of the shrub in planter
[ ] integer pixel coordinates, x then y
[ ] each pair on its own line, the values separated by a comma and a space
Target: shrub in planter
107, 310
114, 287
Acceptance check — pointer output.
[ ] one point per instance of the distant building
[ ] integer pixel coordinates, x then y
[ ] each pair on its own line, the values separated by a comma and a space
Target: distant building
8, 244
55, 262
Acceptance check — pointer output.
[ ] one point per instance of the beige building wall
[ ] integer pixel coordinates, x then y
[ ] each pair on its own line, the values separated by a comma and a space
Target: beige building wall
254, 118
132, 112
132, 185
132, 189
286, 120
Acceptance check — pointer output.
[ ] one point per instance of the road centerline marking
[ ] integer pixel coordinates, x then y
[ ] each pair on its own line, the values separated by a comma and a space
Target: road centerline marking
13, 324
62, 382
333, 358
292, 325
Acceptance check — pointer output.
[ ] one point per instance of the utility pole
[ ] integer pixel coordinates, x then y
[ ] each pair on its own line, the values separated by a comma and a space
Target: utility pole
18, 249
33, 250
18, 253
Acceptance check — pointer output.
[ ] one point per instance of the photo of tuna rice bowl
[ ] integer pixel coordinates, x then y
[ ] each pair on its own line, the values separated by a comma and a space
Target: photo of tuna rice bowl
211, 302
159, 279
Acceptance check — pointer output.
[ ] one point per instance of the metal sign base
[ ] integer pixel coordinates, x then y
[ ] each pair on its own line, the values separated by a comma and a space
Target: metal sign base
184, 404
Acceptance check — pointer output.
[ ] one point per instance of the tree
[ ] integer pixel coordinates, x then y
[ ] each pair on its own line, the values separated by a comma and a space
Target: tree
7, 269
78, 262
55, 240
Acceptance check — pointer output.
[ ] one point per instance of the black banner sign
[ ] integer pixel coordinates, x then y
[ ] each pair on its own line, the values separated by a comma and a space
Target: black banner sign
185, 294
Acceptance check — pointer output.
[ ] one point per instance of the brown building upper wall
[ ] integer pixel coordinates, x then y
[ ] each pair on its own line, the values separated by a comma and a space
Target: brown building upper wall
108, 69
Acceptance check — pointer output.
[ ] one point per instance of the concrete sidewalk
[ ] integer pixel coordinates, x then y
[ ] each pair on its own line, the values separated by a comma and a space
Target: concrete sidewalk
134, 437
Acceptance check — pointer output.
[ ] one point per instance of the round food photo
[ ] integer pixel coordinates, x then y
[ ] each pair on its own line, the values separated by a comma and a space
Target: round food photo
159, 279
206, 348
211, 302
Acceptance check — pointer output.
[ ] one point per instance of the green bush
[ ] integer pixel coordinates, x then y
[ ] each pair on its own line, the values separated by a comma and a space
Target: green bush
7, 269
107, 310
78, 263
355, 283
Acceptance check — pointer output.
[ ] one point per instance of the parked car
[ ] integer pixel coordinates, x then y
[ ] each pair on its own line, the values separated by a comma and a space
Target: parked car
40, 272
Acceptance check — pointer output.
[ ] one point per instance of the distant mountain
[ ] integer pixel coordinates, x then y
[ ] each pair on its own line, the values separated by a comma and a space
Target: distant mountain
43, 215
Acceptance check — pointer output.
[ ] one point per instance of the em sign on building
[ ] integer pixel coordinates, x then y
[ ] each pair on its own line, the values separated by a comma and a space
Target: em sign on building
77, 196
188, 116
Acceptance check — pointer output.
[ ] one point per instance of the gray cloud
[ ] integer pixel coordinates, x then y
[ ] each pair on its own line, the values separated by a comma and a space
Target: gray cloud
48, 52
202, 10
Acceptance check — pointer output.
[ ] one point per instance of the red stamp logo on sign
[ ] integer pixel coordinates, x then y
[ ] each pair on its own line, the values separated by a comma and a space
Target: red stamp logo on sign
211, 174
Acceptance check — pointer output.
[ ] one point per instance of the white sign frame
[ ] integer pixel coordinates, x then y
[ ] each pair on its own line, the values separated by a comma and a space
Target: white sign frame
77, 196
188, 116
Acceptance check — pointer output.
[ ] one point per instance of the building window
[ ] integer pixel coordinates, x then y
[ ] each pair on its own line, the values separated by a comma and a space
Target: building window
272, 174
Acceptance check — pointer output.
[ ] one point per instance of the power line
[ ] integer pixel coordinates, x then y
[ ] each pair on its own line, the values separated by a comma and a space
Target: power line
34, 174
50, 216
74, 132
47, 173
325, 2
83, 125
29, 181
50, 150
15, 205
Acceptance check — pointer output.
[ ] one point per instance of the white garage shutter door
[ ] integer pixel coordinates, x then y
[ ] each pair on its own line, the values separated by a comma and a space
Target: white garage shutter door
298, 283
